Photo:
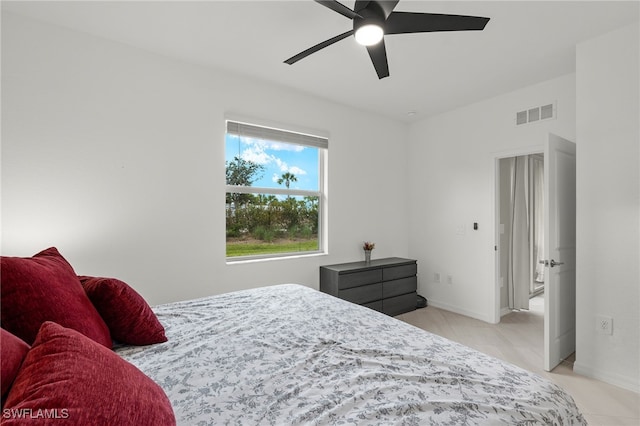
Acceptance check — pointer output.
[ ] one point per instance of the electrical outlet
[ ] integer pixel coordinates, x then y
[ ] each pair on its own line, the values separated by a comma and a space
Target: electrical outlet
449, 279
436, 277
604, 324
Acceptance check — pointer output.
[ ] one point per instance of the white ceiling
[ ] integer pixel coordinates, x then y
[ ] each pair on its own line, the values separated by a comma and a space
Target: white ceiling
525, 42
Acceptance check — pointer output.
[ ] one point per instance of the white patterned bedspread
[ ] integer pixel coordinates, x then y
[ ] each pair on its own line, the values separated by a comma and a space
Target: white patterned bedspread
287, 354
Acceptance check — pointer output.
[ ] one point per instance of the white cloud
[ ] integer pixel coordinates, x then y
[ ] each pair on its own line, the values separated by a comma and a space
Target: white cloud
256, 151
297, 171
271, 145
281, 164
256, 155
284, 167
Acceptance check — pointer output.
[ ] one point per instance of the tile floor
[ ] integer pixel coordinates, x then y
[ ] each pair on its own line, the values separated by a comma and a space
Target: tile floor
518, 339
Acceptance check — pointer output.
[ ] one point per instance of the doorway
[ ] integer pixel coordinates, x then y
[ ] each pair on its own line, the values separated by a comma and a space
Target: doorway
521, 228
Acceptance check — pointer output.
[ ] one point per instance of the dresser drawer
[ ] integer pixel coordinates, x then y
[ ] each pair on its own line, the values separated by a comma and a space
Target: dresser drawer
395, 272
362, 294
398, 287
399, 304
355, 279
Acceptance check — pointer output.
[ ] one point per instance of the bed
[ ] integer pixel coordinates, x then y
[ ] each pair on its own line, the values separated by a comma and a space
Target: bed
287, 354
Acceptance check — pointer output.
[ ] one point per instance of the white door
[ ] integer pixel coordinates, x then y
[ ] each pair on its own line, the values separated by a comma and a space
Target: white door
560, 250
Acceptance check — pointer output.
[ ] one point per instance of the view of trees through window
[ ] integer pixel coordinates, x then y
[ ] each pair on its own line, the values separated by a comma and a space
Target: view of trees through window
273, 197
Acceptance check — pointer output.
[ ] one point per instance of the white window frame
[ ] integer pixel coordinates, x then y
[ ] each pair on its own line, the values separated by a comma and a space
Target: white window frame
284, 133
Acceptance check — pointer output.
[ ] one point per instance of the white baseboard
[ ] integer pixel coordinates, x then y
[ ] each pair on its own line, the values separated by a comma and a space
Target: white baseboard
504, 311
458, 310
624, 382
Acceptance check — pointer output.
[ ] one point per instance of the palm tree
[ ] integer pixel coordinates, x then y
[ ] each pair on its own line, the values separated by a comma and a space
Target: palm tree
290, 211
287, 178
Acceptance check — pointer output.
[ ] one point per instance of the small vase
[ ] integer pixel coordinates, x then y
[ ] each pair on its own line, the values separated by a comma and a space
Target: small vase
367, 256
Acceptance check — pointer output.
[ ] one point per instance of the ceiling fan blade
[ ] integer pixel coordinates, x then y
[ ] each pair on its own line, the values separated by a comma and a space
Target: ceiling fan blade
292, 60
378, 55
339, 7
388, 6
409, 22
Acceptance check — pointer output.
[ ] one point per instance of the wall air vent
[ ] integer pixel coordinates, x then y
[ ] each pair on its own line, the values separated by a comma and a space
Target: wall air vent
546, 111
540, 113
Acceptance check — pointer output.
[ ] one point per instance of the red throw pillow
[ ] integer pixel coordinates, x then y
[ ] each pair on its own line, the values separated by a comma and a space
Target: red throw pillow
126, 313
13, 350
70, 377
45, 288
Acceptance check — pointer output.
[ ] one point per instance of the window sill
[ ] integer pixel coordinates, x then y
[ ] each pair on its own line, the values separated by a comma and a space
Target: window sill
245, 260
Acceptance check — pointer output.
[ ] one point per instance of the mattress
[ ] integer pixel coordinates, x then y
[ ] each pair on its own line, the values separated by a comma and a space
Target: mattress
288, 355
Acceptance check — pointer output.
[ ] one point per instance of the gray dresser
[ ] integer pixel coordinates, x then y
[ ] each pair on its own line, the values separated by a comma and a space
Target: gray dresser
386, 285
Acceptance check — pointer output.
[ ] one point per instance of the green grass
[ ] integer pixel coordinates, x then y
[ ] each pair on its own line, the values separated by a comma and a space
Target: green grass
235, 249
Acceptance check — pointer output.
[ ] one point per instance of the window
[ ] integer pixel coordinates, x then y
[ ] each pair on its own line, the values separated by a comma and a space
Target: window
274, 191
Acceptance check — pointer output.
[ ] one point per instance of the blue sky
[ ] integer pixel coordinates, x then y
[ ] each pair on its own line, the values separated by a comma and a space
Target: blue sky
277, 158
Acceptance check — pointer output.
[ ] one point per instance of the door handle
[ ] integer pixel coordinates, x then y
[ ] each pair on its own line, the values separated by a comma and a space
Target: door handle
551, 263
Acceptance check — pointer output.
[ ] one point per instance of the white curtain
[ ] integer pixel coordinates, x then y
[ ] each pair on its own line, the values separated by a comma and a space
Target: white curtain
519, 271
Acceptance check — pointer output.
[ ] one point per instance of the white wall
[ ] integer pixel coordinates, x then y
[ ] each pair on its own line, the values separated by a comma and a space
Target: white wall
451, 171
115, 156
608, 206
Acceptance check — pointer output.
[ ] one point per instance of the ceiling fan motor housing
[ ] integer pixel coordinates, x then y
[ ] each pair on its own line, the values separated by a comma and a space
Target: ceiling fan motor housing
373, 14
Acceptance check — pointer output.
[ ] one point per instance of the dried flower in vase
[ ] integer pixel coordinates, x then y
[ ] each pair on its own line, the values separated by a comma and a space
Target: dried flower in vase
368, 246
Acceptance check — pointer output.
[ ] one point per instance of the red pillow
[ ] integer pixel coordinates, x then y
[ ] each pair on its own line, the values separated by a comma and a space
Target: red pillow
126, 313
70, 377
13, 351
45, 288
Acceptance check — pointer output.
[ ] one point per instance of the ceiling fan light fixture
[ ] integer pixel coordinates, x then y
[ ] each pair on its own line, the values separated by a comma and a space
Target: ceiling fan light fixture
368, 35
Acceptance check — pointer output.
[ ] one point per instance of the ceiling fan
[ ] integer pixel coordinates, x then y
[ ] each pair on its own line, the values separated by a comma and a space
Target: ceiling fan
374, 19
